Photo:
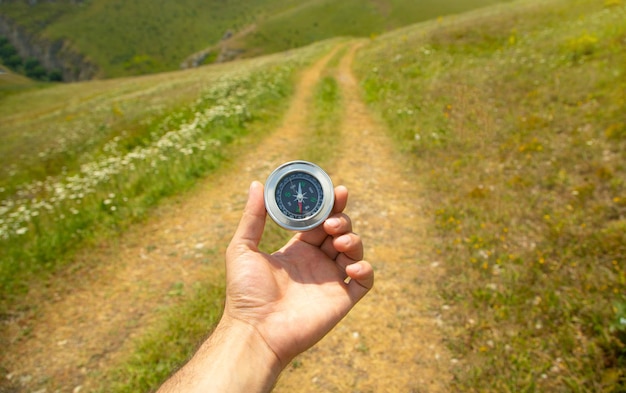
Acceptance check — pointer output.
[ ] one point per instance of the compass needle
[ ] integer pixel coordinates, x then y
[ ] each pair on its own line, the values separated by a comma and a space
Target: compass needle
299, 195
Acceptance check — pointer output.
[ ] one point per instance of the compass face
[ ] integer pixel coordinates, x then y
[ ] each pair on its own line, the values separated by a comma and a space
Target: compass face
299, 195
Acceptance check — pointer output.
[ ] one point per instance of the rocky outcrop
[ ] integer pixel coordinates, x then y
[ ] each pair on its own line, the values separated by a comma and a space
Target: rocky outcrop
221, 52
197, 59
53, 55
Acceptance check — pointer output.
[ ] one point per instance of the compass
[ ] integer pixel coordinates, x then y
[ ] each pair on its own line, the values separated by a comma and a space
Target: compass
299, 195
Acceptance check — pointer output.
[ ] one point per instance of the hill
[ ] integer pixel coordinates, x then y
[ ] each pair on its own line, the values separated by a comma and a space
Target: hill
130, 38
318, 20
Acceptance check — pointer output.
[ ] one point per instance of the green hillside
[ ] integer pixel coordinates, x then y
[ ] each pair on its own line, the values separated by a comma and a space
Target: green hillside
317, 20
11, 83
131, 38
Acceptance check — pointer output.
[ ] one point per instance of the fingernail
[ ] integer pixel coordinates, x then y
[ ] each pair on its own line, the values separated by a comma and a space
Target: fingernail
333, 222
355, 268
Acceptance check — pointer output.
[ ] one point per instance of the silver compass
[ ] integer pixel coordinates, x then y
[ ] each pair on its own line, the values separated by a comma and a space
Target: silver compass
299, 195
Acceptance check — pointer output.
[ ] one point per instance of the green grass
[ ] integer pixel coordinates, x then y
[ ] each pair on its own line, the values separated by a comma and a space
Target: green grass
12, 83
167, 346
514, 118
512, 115
112, 174
318, 20
326, 114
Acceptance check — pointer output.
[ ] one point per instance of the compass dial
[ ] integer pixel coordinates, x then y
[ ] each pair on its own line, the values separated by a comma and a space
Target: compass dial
299, 195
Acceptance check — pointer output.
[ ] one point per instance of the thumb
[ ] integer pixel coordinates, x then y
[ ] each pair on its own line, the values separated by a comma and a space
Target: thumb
252, 222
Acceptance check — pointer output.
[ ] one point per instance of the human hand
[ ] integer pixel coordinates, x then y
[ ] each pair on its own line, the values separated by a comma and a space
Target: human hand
295, 296
277, 305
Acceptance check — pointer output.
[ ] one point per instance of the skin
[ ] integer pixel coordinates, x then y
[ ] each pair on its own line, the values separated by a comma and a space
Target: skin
277, 305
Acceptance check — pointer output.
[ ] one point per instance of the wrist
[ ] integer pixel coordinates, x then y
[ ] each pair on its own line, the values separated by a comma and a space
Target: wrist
235, 358
243, 341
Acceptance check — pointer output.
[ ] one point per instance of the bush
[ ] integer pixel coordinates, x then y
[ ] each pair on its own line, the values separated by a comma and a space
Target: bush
31, 67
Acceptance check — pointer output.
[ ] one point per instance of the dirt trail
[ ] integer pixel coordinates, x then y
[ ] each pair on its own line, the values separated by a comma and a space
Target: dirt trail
390, 341
89, 315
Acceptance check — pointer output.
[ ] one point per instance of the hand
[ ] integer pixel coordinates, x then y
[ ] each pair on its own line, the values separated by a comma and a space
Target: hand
295, 296
278, 305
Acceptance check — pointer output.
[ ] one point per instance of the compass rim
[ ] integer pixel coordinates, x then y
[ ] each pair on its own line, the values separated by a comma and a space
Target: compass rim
299, 224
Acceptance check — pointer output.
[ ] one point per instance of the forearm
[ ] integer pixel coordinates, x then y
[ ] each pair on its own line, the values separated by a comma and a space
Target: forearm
234, 359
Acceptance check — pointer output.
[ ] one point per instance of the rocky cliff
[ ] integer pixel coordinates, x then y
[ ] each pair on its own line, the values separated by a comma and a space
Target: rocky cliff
53, 55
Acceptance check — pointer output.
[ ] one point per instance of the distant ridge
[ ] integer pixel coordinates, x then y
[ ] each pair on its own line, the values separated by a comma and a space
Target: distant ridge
114, 38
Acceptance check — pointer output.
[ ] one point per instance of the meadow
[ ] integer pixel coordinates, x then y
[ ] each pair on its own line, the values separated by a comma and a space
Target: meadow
515, 121
93, 164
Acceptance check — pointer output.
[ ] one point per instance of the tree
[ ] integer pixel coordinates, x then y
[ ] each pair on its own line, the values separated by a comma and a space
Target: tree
14, 61
55, 76
6, 50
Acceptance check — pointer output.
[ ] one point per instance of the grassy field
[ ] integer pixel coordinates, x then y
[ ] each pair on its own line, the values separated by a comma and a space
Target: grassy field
100, 160
132, 38
515, 120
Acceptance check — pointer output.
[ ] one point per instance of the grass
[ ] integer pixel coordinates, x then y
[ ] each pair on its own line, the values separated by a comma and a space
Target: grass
514, 118
187, 324
107, 177
318, 20
12, 83
168, 345
326, 114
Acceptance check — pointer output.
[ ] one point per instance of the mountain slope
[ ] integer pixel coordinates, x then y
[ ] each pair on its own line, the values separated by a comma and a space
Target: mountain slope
138, 37
317, 20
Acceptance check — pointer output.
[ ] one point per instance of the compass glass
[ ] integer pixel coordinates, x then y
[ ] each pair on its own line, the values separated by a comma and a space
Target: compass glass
299, 195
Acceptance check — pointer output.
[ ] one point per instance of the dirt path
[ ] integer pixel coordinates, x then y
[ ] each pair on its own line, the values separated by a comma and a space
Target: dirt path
389, 342
89, 315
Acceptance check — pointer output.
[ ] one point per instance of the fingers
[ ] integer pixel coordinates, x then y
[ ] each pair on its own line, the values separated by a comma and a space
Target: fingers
341, 199
318, 235
349, 245
341, 239
252, 222
337, 224
362, 273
